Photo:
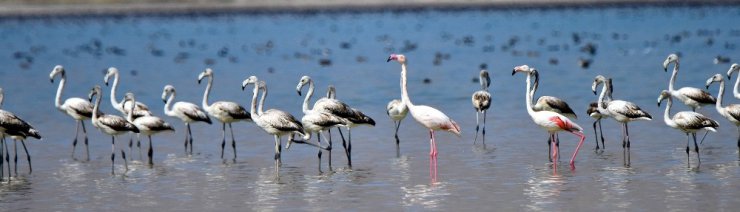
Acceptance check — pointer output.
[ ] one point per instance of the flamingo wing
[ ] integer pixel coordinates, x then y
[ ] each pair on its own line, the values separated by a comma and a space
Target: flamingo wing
698, 95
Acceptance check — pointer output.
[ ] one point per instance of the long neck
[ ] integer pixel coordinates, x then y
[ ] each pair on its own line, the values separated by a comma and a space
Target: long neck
113, 88
735, 91
60, 89
673, 76
718, 104
262, 100
666, 116
168, 104
308, 97
130, 116
404, 89
600, 103
528, 96
95, 107
205, 94
253, 109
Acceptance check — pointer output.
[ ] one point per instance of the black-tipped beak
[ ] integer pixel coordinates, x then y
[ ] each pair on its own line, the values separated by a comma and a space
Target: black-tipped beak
106, 83
513, 72
52, 80
299, 92
389, 59
594, 92
164, 100
729, 77
658, 104
242, 86
198, 81
665, 69
707, 87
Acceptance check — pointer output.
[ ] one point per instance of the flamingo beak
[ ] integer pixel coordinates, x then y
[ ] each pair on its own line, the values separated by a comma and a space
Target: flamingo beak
392, 57
513, 72
243, 87
165, 101
106, 83
594, 92
198, 81
299, 92
729, 77
52, 80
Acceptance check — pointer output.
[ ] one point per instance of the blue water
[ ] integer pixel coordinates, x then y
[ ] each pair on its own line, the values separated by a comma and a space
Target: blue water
509, 172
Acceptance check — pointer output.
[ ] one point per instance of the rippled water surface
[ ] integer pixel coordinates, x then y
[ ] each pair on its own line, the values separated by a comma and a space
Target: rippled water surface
509, 172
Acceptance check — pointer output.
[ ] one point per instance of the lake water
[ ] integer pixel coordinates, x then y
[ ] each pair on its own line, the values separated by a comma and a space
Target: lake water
348, 50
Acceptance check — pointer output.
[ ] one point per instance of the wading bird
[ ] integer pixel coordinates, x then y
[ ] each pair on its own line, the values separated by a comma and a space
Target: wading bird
112, 125
688, 122
225, 112
77, 108
187, 112
481, 102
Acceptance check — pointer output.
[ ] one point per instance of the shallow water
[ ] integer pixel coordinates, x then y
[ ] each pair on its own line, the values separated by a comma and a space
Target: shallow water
509, 172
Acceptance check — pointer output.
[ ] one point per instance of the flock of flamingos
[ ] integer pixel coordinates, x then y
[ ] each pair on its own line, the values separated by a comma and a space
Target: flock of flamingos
550, 113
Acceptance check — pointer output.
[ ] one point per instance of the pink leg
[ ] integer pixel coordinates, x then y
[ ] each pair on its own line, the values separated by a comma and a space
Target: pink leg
434, 142
573, 159
431, 143
555, 149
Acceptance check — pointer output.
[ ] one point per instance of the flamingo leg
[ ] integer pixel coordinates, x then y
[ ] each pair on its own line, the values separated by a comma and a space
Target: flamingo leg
696, 149
7, 157
484, 127
87, 148
150, 153
15, 159
125, 162
557, 144
277, 155
329, 149
190, 133
187, 136
346, 148
113, 155
627, 132
688, 160
601, 132
74, 142
2, 172
138, 144
233, 141
549, 148
477, 126
318, 136
131, 144
223, 138
596, 136
580, 143
703, 137
349, 147
28, 157
738, 137
398, 125
431, 143
554, 149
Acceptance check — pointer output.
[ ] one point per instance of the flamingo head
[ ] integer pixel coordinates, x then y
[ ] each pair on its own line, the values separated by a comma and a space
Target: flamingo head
207, 73
664, 94
304, 80
111, 71
58, 69
249, 80
715, 78
672, 58
167, 90
485, 79
733, 68
331, 92
521, 68
94, 91
397, 57
598, 80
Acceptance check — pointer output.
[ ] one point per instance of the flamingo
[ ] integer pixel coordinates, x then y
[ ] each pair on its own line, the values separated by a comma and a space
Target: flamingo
187, 112
550, 103
140, 110
274, 122
225, 112
481, 102
316, 121
593, 112
692, 97
110, 124
622, 111
734, 68
397, 111
18, 129
351, 117
688, 122
77, 108
552, 122
427, 116
147, 125
730, 112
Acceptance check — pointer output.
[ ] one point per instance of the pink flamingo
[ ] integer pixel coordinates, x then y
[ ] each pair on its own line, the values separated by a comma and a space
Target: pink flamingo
430, 117
550, 121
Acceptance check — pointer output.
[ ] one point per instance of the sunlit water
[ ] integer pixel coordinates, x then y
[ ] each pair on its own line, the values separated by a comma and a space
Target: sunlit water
510, 172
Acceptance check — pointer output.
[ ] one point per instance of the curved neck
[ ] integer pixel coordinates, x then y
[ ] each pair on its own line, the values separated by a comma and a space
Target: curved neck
673, 76
253, 108
308, 96
528, 96
666, 116
60, 89
113, 88
735, 91
262, 100
96, 106
483, 83
207, 92
130, 116
718, 104
600, 102
168, 104
404, 89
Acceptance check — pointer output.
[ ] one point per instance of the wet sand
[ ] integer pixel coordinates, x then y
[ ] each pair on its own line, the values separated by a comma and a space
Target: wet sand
126, 7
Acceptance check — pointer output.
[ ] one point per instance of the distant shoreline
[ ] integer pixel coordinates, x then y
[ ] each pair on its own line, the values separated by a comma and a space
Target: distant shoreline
40, 10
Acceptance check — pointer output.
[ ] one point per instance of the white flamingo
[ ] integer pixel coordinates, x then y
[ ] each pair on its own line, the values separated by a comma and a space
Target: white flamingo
225, 112
481, 102
147, 125
140, 110
692, 97
593, 112
730, 112
274, 122
397, 111
736, 90
351, 117
18, 129
550, 103
688, 122
110, 124
315, 121
77, 108
550, 121
427, 116
187, 112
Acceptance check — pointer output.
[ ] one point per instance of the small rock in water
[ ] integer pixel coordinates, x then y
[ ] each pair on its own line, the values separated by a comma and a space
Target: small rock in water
134, 72
209, 61
270, 70
325, 62
345, 45
553, 61
584, 63
476, 80
589, 48
720, 59
427, 80
483, 66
